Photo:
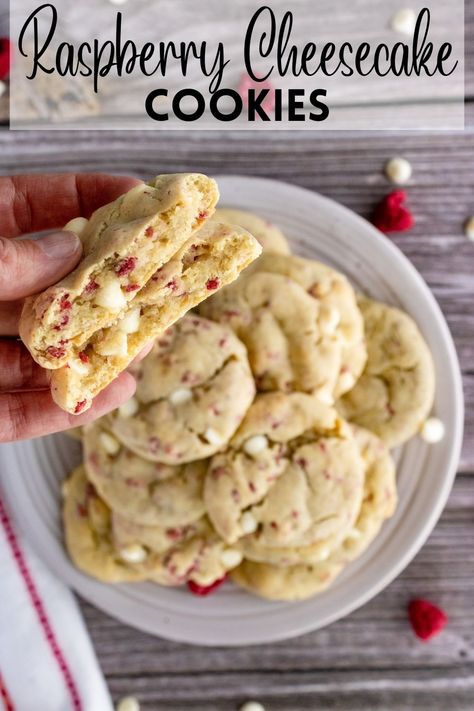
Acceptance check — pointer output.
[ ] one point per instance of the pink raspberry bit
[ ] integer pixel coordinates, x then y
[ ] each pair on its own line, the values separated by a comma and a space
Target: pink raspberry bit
80, 406
91, 287
126, 266
56, 351
83, 357
149, 232
202, 216
212, 284
203, 590
246, 83
426, 619
172, 285
64, 303
81, 510
132, 287
62, 323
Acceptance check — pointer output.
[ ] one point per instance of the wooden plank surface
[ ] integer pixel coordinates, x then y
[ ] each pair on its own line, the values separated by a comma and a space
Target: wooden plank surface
371, 659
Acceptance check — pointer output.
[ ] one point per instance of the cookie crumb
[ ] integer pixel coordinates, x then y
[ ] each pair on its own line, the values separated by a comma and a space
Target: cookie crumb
469, 228
404, 21
398, 170
426, 619
432, 430
128, 703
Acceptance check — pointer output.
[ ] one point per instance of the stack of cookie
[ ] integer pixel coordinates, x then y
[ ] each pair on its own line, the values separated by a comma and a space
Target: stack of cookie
257, 444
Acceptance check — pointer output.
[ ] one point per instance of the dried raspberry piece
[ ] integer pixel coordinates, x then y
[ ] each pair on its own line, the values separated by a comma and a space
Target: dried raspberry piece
391, 215
149, 232
62, 323
83, 357
212, 284
56, 351
5, 50
426, 619
172, 285
80, 406
132, 287
64, 303
202, 216
125, 266
203, 590
91, 287
81, 510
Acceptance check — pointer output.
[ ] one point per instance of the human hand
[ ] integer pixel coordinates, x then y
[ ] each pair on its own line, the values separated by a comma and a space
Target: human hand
31, 203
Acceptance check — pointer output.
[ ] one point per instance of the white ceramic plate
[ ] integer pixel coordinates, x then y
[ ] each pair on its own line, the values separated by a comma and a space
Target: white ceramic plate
317, 227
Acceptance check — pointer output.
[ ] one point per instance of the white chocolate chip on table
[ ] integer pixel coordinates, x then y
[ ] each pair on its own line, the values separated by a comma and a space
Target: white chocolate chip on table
193, 390
398, 170
404, 21
212, 258
128, 703
469, 228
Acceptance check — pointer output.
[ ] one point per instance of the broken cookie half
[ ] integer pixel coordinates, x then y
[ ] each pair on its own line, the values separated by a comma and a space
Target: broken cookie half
91, 325
124, 243
212, 258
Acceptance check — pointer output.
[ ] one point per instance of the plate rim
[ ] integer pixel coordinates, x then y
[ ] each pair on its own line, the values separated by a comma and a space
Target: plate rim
81, 582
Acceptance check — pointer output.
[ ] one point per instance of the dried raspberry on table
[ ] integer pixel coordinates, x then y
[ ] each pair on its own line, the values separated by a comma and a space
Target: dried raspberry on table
391, 215
5, 48
246, 82
426, 619
203, 590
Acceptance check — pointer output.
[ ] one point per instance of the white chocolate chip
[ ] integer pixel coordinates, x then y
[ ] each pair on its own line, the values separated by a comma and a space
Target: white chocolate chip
469, 228
212, 436
128, 703
404, 21
129, 408
130, 323
180, 396
134, 553
231, 558
324, 554
252, 706
255, 445
114, 344
329, 318
398, 170
325, 395
248, 523
78, 366
432, 430
118, 2
110, 296
346, 381
77, 225
109, 443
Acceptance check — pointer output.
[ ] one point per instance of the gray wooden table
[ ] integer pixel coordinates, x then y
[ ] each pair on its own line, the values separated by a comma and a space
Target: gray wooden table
370, 660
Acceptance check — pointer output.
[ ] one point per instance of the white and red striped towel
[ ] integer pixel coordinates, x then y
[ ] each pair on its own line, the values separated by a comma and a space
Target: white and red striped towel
47, 662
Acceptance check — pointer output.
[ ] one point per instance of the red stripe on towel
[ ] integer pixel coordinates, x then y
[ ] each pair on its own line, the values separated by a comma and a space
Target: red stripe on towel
5, 696
39, 607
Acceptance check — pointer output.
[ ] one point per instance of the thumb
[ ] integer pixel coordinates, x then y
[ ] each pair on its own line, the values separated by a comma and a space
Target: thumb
27, 266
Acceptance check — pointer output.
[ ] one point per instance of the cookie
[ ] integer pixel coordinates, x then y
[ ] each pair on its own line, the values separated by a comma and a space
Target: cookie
395, 393
283, 579
267, 233
124, 243
339, 315
193, 391
89, 534
297, 582
145, 492
193, 552
378, 504
291, 475
300, 323
213, 257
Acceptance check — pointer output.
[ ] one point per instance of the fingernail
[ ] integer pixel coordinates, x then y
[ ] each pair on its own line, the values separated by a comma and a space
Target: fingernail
60, 245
